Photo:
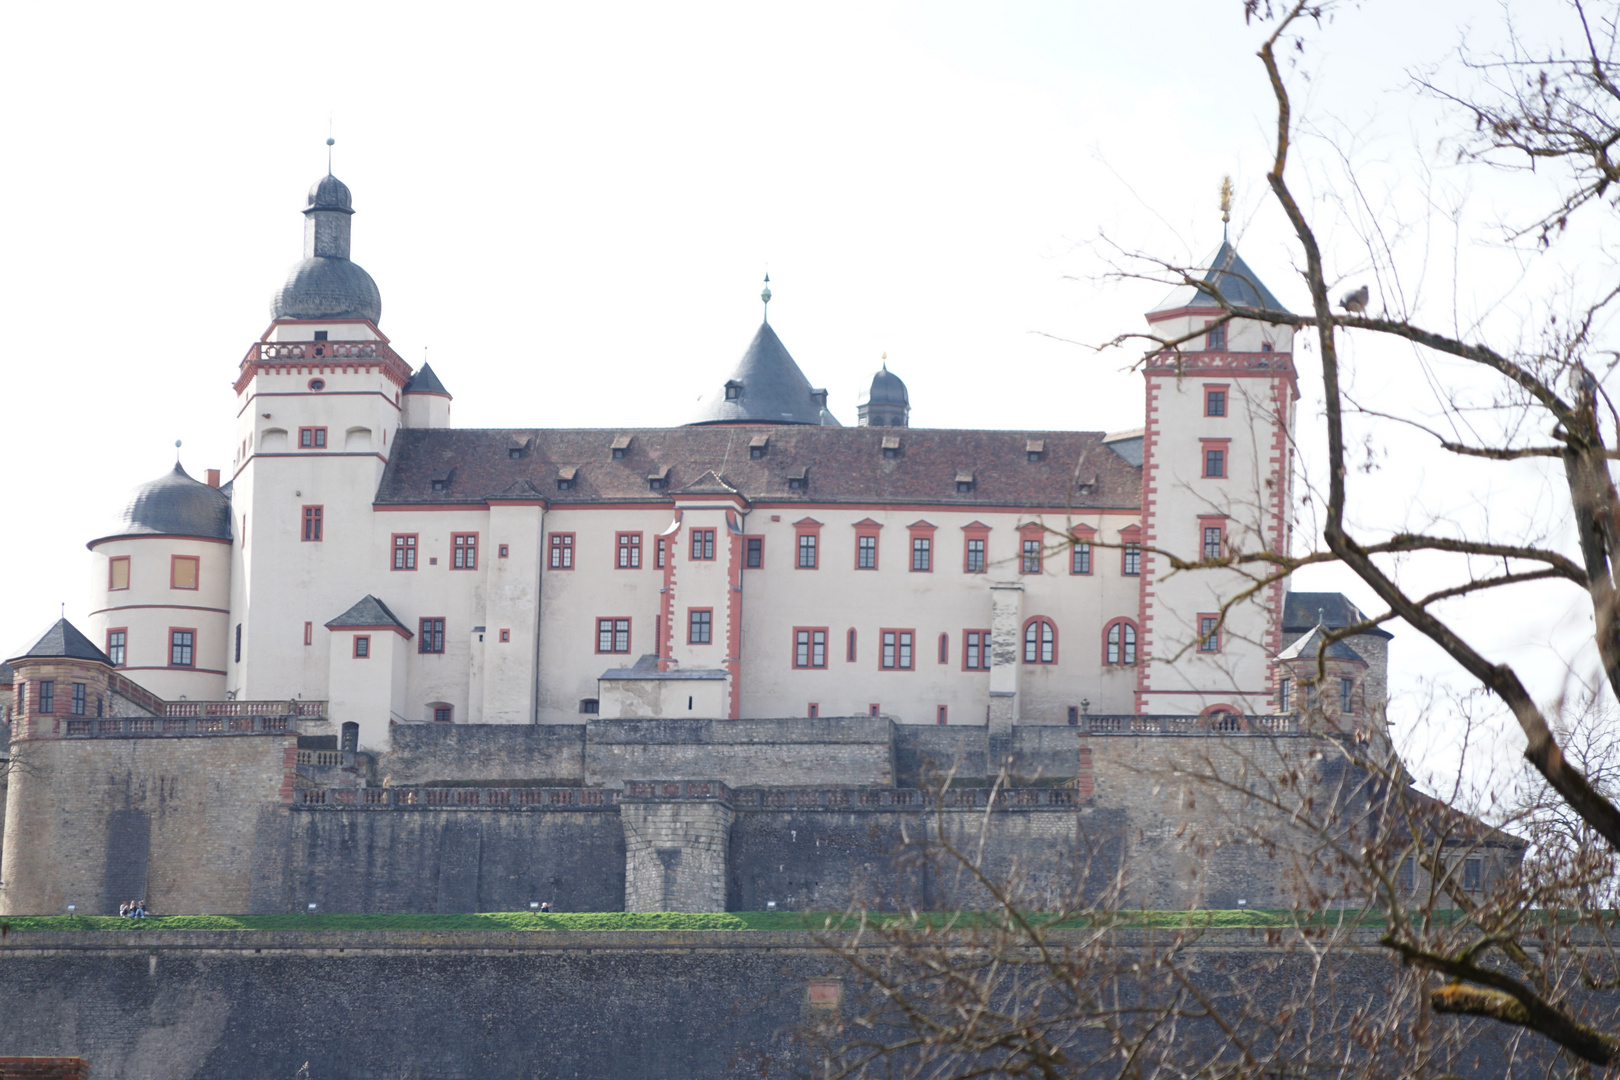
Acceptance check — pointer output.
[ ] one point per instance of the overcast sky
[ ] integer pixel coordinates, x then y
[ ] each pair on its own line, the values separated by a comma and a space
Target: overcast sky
568, 208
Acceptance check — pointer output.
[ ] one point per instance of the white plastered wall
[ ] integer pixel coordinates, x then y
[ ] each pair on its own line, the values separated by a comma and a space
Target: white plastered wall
151, 607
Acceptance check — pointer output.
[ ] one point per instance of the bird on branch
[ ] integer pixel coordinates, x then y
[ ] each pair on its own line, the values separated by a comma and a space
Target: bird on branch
1355, 302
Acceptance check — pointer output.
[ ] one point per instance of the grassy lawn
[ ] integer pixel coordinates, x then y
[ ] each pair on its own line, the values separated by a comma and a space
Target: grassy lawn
621, 920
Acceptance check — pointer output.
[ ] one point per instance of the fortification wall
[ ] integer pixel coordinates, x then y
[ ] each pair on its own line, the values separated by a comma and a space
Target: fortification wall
183, 823
542, 754
828, 751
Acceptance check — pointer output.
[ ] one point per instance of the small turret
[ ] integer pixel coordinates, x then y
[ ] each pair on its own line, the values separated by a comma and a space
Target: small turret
887, 404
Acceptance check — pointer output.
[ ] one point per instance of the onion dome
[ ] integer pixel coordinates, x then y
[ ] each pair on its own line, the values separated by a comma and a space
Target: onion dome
887, 404
175, 505
327, 284
888, 389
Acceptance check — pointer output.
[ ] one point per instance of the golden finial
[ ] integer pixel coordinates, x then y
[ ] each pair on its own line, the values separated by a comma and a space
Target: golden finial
1226, 203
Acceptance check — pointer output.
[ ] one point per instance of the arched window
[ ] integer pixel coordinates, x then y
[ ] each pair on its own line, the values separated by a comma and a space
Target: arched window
1223, 718
1119, 639
1040, 641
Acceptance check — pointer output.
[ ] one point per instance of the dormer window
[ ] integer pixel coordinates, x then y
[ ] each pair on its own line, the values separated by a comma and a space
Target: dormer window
566, 476
515, 453
819, 397
964, 483
800, 482
1035, 451
564, 485
891, 446
755, 453
757, 446
440, 485
659, 481
733, 390
1265, 346
621, 447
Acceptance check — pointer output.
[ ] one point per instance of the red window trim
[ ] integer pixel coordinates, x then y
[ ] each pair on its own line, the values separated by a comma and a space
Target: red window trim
111, 630
1198, 630
506, 636
806, 527
984, 649
945, 648
318, 517
689, 613
826, 643
424, 635
196, 573
711, 544
897, 630
1137, 632
1083, 534
471, 548
1037, 533
921, 530
554, 545
110, 563
660, 552
749, 538
815, 710
942, 714
1204, 447
851, 646
1211, 521
309, 633
874, 709
629, 635
1023, 631
976, 531
395, 546
325, 440
864, 528
622, 546
503, 551
355, 652
168, 644
1224, 388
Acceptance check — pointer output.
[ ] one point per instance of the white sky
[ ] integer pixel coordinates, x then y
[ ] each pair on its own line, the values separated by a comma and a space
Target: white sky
570, 207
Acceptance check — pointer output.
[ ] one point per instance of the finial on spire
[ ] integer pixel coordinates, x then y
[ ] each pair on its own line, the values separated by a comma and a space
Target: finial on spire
177, 451
1226, 203
765, 296
329, 142
885, 361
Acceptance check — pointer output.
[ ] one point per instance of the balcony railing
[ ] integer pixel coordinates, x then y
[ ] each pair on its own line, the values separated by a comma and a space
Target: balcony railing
580, 799
124, 727
310, 352
1220, 724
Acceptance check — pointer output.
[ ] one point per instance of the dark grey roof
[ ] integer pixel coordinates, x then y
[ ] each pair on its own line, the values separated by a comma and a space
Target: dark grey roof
64, 640
426, 382
646, 667
1300, 613
7, 676
175, 505
888, 389
368, 611
1229, 275
1311, 645
325, 287
330, 193
1127, 444
770, 389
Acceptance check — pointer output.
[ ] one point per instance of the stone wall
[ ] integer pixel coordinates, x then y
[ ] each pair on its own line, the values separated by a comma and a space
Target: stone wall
543, 754
675, 854
827, 752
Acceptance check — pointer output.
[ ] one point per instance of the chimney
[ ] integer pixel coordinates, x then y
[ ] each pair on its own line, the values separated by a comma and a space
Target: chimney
213, 478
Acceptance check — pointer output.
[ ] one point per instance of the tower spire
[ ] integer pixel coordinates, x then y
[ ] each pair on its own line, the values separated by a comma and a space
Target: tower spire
765, 297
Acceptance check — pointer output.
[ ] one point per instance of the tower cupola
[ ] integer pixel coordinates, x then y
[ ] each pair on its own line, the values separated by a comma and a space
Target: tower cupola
887, 404
326, 284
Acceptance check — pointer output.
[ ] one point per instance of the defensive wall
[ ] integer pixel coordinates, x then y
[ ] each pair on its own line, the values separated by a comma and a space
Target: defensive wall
632, 1005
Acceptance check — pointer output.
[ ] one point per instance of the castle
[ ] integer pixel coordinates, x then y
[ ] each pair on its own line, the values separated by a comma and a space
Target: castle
643, 637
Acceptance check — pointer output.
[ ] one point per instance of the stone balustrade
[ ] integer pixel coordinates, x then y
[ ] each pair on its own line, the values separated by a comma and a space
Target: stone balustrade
146, 727
765, 799
1222, 724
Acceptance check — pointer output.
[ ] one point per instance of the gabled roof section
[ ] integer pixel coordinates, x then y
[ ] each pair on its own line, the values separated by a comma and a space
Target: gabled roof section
519, 490
709, 483
369, 611
1311, 645
425, 382
1228, 275
1303, 610
766, 387
63, 641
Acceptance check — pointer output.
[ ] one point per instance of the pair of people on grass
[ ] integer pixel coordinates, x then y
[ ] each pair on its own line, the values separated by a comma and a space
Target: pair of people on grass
134, 909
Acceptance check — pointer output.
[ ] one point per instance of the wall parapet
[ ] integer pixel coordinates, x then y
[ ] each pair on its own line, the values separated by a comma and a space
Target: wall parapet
455, 798
755, 799
148, 727
1222, 724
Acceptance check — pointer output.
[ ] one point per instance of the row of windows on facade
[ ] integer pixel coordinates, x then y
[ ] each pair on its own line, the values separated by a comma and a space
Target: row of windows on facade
1286, 702
80, 702
593, 707
1032, 557
182, 646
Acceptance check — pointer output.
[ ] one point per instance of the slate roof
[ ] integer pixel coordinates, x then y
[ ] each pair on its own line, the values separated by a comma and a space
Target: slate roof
64, 640
1300, 608
843, 465
175, 505
368, 611
1232, 278
7, 675
772, 389
646, 667
1311, 645
426, 382
888, 389
325, 287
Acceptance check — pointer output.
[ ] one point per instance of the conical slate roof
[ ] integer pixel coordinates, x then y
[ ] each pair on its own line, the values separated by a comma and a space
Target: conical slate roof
175, 505
426, 382
368, 611
1311, 645
64, 640
768, 388
1228, 274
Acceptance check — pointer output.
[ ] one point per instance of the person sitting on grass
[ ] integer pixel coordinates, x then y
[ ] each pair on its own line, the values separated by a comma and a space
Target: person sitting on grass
123, 910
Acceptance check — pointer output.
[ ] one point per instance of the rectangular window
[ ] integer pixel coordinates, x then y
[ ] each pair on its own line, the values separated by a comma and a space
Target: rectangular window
896, 653
1212, 541
506, 637
309, 633
976, 650
699, 626
1282, 695
362, 646
849, 646
866, 553
874, 709
182, 648
1214, 401
1080, 558
1471, 875
442, 714
922, 554
562, 551
1131, 560
463, 551
658, 552
118, 572
116, 640
404, 551
944, 648
78, 699
313, 524
1214, 451
940, 715
1209, 633
1345, 686
312, 438
612, 635
807, 551
754, 552
1216, 338
183, 571
238, 643
430, 636
975, 555
47, 695
1030, 561
810, 648
628, 546
815, 710
703, 545
503, 551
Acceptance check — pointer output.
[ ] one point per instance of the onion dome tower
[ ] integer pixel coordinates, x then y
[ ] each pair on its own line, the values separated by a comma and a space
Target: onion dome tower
326, 284
887, 404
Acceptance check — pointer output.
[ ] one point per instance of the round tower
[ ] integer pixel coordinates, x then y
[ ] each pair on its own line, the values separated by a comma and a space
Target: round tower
887, 404
161, 581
